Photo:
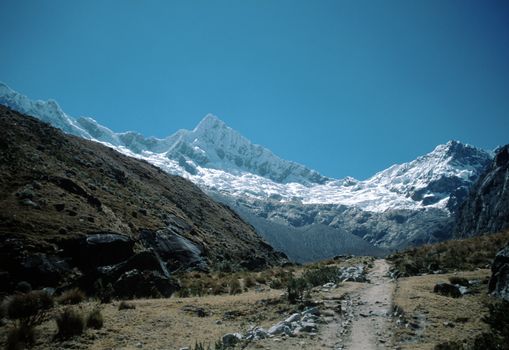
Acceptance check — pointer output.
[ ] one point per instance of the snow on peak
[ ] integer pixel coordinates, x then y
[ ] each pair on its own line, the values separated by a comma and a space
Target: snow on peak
48, 111
214, 145
218, 158
209, 123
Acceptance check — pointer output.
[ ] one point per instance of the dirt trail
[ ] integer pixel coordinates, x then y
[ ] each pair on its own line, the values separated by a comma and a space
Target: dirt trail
371, 307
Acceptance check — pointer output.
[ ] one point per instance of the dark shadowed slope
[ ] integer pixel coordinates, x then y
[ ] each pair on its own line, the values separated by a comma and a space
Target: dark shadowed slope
486, 209
55, 188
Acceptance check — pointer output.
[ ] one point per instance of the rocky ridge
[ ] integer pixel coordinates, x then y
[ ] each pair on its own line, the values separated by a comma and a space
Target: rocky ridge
486, 209
406, 204
74, 211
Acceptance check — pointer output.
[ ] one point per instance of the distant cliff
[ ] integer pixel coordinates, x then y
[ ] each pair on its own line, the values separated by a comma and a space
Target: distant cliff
486, 208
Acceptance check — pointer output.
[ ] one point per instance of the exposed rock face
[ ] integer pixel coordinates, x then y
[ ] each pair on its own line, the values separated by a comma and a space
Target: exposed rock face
90, 206
101, 249
487, 207
295, 224
139, 284
177, 251
499, 282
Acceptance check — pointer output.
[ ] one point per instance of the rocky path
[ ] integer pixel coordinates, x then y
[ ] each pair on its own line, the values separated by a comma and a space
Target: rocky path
370, 309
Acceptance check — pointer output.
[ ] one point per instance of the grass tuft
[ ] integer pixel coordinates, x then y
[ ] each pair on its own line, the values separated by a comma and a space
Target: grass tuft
95, 319
72, 297
70, 323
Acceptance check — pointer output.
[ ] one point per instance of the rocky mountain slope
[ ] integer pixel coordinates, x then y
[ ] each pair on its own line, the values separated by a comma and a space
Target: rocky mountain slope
406, 204
486, 209
65, 200
306, 242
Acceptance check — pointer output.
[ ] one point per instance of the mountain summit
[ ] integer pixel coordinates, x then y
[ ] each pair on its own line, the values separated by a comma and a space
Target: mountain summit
219, 159
214, 145
406, 204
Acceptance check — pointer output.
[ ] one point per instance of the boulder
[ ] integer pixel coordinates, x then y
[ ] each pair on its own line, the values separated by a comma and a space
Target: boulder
175, 250
144, 284
448, 289
499, 281
98, 249
280, 328
230, 339
293, 318
311, 311
42, 270
142, 261
256, 333
308, 327
353, 274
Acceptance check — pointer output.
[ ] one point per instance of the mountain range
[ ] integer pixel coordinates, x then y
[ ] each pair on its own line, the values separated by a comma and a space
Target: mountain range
406, 204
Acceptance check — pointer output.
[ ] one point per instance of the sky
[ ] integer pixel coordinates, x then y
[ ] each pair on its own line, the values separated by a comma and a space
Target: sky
345, 87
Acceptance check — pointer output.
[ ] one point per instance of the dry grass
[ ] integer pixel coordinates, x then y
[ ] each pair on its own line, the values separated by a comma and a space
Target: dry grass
168, 323
72, 297
179, 322
433, 312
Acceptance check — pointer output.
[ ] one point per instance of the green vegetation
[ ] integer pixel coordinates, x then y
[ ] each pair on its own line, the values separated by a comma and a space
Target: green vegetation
317, 276
234, 286
296, 289
464, 254
200, 346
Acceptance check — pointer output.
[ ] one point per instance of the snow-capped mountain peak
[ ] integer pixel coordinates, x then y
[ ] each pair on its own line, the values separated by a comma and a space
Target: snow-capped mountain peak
215, 145
209, 123
218, 158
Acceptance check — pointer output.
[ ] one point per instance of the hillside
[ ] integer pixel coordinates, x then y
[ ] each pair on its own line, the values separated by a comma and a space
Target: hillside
305, 243
404, 205
57, 189
486, 208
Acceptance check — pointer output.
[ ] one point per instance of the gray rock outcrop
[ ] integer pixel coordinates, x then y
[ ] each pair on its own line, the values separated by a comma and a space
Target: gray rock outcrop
486, 209
499, 282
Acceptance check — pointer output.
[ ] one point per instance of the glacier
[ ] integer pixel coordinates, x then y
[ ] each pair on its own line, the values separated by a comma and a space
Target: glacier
220, 160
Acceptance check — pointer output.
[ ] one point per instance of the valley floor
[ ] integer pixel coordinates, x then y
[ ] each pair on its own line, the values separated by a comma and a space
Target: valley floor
353, 316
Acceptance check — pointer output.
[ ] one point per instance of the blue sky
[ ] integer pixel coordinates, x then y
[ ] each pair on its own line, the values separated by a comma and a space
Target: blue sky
344, 87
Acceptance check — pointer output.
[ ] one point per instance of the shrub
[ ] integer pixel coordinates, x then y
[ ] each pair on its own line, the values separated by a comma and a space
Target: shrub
197, 288
463, 254
219, 287
276, 284
29, 309
227, 266
95, 319
23, 287
72, 297
249, 281
70, 323
234, 286
20, 337
124, 305
262, 278
183, 292
321, 275
296, 288
217, 346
